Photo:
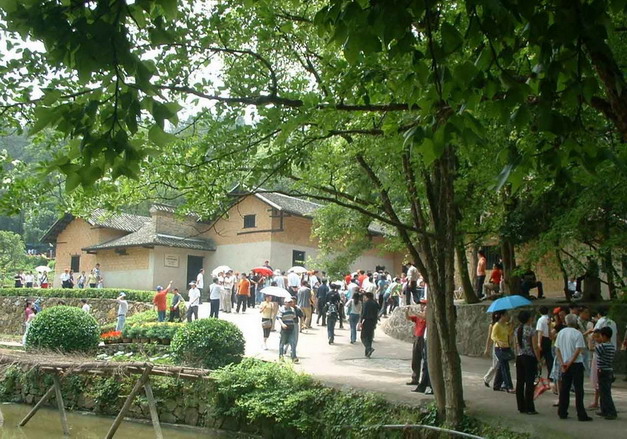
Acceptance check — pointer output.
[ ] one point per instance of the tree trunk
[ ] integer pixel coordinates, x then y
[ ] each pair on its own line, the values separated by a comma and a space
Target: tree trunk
512, 280
474, 261
560, 262
462, 267
592, 282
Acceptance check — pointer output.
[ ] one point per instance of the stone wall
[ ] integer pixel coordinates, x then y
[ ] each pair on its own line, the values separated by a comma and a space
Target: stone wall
104, 310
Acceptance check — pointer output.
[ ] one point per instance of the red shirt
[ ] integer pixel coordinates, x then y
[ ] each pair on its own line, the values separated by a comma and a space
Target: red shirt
495, 276
420, 325
348, 279
161, 300
361, 278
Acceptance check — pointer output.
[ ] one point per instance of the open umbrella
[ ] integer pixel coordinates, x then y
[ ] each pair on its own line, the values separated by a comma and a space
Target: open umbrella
297, 269
276, 292
265, 271
43, 268
508, 302
220, 269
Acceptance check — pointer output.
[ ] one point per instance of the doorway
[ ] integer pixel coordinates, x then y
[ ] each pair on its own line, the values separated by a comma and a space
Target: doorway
194, 264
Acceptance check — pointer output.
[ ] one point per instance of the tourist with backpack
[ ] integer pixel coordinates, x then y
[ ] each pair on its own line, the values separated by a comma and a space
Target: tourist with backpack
331, 309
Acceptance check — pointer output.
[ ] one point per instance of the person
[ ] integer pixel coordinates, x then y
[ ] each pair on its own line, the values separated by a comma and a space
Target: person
215, 297
586, 327
92, 281
528, 282
481, 273
490, 349
243, 292
571, 289
286, 317
194, 301
602, 321
43, 280
29, 315
266, 309
85, 307
19, 280
200, 283
29, 279
569, 345
527, 358
161, 301
321, 300
394, 290
368, 323
267, 265
279, 279
175, 306
293, 282
494, 286
424, 386
332, 311
122, 310
81, 280
501, 333
544, 338
382, 286
605, 351
227, 289
412, 282
304, 303
66, 279
420, 324
353, 310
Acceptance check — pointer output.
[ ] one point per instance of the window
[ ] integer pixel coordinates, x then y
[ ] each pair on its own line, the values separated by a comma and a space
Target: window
249, 221
75, 263
298, 258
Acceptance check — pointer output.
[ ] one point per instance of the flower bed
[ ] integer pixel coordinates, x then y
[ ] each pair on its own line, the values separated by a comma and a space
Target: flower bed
160, 332
111, 337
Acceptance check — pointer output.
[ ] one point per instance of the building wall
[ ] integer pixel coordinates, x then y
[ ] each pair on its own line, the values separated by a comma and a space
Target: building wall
240, 256
162, 274
130, 271
71, 240
281, 254
230, 229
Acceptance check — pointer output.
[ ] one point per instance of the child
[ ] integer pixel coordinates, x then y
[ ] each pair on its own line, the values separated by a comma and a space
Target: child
605, 351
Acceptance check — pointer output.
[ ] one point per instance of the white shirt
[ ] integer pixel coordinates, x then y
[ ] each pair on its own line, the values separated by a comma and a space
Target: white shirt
568, 341
123, 307
86, 307
606, 321
543, 326
313, 281
194, 296
368, 286
215, 292
280, 281
65, 277
412, 273
228, 283
293, 280
200, 281
29, 278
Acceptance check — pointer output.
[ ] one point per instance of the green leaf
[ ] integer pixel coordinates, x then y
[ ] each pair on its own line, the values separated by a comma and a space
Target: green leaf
451, 38
159, 137
169, 8
45, 117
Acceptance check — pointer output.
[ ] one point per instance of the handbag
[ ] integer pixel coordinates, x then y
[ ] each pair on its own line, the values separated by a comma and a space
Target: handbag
542, 386
266, 324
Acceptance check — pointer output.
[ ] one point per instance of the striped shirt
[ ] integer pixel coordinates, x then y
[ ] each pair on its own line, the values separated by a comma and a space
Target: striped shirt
605, 356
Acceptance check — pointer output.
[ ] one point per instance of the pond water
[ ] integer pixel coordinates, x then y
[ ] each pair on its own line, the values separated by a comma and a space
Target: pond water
47, 424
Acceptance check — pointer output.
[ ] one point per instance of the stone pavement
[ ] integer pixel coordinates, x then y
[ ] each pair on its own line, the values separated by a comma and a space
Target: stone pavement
344, 366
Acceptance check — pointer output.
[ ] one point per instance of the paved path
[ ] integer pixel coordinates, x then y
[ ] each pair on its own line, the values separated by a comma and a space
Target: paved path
343, 365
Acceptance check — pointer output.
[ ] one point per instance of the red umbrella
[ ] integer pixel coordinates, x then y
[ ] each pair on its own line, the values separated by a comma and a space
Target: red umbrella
263, 271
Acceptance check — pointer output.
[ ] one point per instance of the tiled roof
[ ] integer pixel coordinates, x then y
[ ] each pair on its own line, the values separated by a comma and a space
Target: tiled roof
118, 221
147, 237
286, 203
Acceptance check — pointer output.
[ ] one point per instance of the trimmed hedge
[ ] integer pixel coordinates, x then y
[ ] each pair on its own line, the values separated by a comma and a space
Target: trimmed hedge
208, 343
63, 328
163, 330
79, 293
136, 319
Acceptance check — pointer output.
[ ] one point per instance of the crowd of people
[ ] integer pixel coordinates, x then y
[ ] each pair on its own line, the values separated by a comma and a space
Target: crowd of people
68, 279
569, 343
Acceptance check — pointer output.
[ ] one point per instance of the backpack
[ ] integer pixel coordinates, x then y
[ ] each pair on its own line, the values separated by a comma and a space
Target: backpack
331, 309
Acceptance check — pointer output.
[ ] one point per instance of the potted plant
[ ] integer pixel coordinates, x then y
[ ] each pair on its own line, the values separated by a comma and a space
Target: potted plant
111, 337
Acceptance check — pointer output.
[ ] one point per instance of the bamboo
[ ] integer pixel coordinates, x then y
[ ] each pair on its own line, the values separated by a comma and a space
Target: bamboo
154, 415
43, 399
60, 406
129, 400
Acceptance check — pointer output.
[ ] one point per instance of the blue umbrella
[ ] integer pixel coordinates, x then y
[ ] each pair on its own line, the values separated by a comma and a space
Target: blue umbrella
508, 302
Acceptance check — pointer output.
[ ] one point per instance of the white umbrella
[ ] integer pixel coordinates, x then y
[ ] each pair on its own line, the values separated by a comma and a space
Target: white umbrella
220, 269
277, 292
297, 269
42, 268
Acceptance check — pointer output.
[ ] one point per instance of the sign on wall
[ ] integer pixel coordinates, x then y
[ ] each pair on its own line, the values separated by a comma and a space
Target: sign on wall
172, 261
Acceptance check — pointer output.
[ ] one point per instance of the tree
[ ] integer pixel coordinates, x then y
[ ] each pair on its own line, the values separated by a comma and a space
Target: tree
12, 251
372, 93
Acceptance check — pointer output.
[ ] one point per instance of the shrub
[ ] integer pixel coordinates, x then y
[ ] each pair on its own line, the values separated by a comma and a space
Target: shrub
64, 328
209, 343
84, 293
136, 319
152, 330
